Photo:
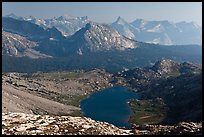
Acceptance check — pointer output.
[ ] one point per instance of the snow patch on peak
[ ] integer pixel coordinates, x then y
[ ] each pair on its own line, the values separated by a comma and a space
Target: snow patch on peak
157, 28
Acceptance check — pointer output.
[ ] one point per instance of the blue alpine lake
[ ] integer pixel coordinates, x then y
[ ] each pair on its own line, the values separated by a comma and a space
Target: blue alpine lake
109, 105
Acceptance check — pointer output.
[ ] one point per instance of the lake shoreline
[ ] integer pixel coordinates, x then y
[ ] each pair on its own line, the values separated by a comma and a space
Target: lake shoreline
109, 108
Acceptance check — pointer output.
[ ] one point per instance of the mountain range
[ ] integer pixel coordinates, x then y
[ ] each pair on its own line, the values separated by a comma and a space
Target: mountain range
95, 45
66, 24
158, 32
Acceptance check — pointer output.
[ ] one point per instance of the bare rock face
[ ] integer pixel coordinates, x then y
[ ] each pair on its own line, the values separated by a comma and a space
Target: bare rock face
101, 37
18, 46
28, 124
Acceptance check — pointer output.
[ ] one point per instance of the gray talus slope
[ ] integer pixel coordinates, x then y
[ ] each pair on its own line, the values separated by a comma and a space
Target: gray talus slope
15, 100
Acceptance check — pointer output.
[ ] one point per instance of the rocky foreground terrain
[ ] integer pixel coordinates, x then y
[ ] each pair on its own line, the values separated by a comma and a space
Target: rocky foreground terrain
28, 124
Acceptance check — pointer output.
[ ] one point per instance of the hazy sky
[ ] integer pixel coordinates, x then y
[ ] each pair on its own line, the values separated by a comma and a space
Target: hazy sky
107, 12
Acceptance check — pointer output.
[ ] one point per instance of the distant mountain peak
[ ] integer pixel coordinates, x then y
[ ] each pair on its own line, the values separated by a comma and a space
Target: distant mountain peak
125, 28
88, 25
83, 18
65, 17
11, 15
100, 37
92, 24
30, 18
139, 20
120, 20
